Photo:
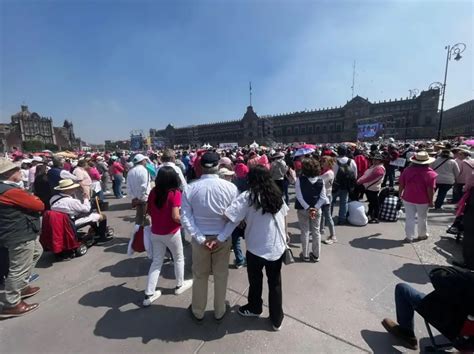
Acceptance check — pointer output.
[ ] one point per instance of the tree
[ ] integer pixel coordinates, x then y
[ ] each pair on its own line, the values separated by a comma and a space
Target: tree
33, 145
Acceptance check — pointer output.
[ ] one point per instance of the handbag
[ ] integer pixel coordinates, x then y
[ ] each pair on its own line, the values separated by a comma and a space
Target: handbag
288, 257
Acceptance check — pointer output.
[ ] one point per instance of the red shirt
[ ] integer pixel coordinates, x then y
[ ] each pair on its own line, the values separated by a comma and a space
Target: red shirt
117, 168
362, 164
161, 221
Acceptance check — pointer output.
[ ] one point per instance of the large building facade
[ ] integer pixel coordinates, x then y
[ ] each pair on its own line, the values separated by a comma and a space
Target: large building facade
27, 127
408, 118
459, 120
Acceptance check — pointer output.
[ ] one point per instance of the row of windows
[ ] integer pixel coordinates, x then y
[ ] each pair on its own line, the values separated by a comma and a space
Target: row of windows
394, 108
307, 130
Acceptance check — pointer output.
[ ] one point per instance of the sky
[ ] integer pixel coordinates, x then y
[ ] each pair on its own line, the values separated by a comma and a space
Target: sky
114, 66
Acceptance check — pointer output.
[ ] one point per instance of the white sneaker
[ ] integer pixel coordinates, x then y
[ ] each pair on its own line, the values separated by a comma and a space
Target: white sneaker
185, 286
150, 298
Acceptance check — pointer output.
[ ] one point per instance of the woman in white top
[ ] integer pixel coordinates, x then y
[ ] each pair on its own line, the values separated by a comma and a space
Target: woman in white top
448, 170
327, 175
264, 211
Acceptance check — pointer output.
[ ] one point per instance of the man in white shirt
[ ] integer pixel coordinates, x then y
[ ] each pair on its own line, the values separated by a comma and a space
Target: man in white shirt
138, 186
168, 159
66, 201
203, 206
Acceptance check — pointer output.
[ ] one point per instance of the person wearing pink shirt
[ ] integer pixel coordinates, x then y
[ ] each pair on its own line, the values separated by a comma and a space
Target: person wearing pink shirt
372, 182
417, 186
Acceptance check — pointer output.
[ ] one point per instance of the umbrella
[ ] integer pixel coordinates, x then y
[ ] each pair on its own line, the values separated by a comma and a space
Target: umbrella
303, 151
67, 154
254, 145
307, 146
469, 142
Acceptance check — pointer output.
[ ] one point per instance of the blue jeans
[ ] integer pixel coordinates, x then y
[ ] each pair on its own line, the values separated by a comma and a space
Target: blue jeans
118, 186
390, 176
443, 189
326, 219
236, 235
407, 300
343, 200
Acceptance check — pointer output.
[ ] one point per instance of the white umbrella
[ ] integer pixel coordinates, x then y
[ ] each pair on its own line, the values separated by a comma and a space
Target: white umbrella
303, 151
254, 145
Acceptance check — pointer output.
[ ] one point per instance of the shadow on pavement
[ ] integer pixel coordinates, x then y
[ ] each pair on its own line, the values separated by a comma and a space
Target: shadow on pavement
46, 261
414, 273
167, 323
447, 247
130, 267
119, 245
373, 242
380, 342
120, 207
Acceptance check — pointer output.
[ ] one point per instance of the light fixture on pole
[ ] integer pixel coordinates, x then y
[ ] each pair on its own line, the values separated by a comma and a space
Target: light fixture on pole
455, 51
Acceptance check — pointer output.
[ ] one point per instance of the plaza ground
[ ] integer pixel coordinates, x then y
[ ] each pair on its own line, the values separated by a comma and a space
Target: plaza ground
92, 304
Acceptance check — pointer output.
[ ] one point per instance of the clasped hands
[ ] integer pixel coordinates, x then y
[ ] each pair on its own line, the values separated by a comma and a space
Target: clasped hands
313, 212
211, 243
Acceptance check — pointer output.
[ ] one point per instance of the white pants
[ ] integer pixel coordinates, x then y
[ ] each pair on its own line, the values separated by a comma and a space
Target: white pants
412, 211
159, 243
92, 217
308, 225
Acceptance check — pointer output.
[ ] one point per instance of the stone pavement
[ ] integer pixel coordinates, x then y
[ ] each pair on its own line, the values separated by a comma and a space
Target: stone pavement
91, 304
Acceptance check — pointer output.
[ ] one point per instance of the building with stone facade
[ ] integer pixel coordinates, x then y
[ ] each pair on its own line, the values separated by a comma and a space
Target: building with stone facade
459, 120
26, 127
408, 118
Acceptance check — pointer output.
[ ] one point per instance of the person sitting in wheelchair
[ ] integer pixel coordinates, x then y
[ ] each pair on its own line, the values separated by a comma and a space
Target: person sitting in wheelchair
70, 200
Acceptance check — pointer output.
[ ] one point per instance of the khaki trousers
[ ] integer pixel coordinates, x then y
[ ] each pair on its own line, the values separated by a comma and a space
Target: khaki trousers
23, 258
205, 261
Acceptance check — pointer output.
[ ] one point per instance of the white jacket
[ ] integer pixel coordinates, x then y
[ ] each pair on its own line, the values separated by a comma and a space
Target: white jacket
138, 183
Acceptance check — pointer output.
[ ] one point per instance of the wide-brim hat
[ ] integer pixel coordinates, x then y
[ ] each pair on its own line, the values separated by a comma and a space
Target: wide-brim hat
6, 165
278, 154
226, 172
422, 158
66, 184
463, 148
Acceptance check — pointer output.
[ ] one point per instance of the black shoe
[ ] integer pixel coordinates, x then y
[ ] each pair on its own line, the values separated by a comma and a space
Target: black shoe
245, 311
313, 258
193, 316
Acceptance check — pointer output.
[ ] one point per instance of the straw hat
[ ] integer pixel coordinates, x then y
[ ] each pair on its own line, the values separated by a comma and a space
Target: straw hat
66, 184
422, 158
226, 172
6, 165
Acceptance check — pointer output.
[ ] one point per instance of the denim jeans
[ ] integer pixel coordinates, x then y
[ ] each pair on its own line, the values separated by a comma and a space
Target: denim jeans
236, 235
407, 300
118, 186
343, 200
443, 189
326, 219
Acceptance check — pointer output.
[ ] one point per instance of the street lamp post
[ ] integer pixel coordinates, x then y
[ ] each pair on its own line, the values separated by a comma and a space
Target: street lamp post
455, 50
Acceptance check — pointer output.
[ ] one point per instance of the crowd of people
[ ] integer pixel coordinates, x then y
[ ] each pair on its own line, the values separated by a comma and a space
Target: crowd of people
219, 196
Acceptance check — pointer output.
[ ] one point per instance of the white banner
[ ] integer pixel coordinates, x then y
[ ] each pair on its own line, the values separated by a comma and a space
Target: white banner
228, 145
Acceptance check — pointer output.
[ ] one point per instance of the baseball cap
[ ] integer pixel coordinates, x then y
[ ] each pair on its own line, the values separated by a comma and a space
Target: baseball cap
210, 159
139, 158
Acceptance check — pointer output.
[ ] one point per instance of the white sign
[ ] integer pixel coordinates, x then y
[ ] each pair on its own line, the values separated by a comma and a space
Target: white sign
228, 145
400, 162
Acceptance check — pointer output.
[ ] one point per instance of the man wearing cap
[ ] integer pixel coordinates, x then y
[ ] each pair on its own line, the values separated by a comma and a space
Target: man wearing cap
79, 209
138, 186
19, 228
203, 206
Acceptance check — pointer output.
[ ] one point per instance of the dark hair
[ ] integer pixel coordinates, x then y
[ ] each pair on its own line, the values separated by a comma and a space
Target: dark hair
310, 167
167, 180
40, 170
264, 193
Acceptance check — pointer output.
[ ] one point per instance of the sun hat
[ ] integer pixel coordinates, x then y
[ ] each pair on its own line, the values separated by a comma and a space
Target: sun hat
422, 158
377, 156
6, 165
225, 161
226, 172
66, 184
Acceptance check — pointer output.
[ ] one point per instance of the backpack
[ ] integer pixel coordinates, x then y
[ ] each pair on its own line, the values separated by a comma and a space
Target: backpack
345, 177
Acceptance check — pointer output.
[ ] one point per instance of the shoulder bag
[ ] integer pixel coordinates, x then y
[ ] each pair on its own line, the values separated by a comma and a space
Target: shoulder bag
288, 257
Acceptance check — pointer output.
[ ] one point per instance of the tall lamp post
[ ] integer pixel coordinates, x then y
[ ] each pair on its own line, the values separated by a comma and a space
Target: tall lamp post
455, 51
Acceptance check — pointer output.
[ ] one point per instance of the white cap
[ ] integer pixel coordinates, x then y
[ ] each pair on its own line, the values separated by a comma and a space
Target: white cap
139, 158
37, 158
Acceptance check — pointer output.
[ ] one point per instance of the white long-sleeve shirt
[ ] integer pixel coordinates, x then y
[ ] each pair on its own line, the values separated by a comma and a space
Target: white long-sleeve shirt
203, 206
323, 199
65, 203
138, 183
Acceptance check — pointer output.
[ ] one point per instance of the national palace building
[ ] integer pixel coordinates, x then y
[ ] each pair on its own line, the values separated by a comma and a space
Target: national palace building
409, 118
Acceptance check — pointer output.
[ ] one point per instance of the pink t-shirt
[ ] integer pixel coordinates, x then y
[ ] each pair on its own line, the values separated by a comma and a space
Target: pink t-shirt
161, 221
416, 181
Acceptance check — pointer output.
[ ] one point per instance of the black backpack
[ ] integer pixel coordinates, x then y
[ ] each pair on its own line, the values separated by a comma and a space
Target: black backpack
345, 177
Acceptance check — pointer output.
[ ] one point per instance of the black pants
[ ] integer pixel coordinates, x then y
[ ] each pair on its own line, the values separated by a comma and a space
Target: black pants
255, 266
443, 190
281, 185
100, 230
373, 198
